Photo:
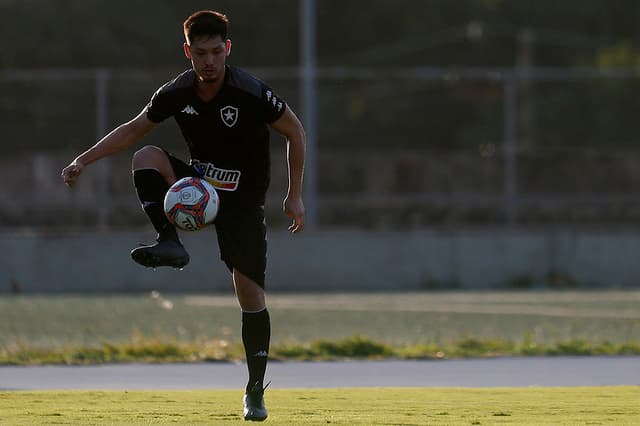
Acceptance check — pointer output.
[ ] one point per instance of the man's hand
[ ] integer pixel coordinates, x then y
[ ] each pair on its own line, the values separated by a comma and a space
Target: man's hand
294, 208
71, 173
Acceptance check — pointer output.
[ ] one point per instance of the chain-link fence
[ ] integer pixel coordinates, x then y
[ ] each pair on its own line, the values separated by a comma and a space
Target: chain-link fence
396, 148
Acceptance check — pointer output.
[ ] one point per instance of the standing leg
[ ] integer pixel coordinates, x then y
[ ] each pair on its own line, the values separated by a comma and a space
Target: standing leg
256, 327
242, 238
256, 335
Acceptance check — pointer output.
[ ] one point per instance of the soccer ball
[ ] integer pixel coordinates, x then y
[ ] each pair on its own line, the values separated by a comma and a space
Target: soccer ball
191, 203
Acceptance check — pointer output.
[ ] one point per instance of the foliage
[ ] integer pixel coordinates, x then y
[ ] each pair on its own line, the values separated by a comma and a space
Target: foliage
465, 32
153, 349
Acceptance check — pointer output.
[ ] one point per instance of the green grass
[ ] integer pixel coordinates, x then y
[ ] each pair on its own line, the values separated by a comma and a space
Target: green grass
179, 327
370, 406
153, 349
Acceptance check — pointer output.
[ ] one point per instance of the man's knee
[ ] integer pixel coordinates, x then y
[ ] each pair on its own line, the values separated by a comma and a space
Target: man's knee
149, 156
249, 293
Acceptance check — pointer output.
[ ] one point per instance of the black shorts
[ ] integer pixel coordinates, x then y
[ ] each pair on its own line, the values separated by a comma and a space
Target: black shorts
241, 231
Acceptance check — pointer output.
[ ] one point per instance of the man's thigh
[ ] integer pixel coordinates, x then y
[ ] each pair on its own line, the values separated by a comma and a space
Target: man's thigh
242, 240
180, 168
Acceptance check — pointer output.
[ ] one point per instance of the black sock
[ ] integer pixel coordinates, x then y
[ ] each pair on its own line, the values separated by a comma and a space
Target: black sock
151, 188
256, 334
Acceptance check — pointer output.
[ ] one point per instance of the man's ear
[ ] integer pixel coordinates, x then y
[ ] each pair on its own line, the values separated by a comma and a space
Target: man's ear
227, 47
187, 50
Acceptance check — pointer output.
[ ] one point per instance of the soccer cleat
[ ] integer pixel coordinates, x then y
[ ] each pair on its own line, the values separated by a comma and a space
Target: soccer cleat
163, 253
254, 409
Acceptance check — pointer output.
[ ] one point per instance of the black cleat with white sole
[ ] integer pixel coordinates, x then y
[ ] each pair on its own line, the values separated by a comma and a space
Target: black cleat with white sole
162, 253
254, 409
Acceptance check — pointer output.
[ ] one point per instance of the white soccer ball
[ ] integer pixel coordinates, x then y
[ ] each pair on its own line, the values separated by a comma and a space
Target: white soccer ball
191, 203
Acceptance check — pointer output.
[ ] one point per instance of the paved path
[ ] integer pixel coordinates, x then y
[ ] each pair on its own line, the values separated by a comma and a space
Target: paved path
555, 371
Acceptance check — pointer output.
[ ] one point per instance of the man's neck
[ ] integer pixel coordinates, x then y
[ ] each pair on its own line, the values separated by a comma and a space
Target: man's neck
208, 90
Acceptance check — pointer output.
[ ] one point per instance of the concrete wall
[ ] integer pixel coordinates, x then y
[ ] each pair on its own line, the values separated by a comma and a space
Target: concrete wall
336, 260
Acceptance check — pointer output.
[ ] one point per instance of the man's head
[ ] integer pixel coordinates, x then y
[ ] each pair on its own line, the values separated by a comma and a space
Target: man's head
207, 45
207, 24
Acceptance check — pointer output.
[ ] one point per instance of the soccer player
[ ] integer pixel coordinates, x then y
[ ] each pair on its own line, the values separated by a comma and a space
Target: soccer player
224, 114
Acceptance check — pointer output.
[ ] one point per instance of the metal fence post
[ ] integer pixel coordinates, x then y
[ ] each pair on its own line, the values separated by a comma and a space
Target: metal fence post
510, 112
104, 166
309, 107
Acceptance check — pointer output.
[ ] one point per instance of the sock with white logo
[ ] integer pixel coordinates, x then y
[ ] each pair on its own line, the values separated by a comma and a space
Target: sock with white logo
256, 334
151, 188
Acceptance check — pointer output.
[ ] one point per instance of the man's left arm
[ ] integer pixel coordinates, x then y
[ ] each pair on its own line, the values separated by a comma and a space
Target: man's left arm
289, 126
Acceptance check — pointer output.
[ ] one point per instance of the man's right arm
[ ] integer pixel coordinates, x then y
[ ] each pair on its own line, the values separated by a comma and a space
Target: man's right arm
120, 138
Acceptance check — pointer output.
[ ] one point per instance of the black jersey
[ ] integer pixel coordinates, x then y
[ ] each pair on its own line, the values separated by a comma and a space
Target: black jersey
228, 137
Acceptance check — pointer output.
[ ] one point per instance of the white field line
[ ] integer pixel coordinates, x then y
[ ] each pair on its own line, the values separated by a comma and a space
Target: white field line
424, 304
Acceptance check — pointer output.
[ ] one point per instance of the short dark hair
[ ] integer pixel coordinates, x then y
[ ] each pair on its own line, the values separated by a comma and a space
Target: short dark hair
205, 23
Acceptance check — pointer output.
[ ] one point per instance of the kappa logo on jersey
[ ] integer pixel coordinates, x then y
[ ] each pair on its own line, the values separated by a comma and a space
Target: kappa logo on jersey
190, 110
229, 115
274, 100
223, 179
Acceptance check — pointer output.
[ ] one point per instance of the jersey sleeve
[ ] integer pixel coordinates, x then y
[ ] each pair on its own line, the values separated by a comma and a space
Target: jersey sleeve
271, 105
160, 107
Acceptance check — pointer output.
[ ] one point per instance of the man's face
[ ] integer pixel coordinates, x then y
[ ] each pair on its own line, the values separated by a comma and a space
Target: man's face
208, 56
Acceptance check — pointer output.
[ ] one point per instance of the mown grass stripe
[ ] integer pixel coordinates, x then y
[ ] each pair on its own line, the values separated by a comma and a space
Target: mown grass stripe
351, 406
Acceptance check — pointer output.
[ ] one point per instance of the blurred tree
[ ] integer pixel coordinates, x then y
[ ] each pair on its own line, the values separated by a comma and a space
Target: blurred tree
136, 33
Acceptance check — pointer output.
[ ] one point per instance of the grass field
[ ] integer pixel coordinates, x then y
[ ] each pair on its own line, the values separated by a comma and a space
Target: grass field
394, 320
435, 319
381, 406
